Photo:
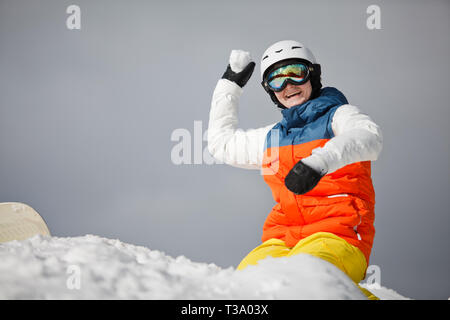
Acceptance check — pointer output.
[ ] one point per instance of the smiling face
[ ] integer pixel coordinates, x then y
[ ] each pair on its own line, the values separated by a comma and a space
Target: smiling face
294, 95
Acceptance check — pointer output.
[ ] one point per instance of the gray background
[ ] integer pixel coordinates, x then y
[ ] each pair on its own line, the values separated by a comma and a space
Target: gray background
86, 118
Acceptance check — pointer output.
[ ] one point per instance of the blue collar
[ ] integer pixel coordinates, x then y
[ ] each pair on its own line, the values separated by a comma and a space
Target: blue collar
311, 110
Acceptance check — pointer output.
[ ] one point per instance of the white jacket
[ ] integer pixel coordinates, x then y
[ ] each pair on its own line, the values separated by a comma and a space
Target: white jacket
357, 137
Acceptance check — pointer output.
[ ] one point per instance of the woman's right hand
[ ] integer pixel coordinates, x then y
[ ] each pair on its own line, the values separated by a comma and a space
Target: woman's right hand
240, 68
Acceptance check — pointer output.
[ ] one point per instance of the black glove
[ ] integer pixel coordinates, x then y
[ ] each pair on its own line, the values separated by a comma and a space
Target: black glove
240, 78
302, 178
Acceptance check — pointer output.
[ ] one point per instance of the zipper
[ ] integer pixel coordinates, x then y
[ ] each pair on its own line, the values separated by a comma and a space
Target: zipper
355, 228
338, 195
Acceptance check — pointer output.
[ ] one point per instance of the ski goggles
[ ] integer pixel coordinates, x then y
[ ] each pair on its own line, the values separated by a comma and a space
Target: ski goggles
296, 74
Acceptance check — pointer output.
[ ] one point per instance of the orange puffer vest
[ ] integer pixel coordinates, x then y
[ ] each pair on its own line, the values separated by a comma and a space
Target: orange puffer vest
343, 201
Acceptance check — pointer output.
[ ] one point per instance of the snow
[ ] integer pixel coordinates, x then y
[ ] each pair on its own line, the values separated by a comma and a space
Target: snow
91, 267
239, 59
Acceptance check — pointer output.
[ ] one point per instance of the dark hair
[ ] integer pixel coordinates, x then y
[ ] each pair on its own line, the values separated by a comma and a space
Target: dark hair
314, 78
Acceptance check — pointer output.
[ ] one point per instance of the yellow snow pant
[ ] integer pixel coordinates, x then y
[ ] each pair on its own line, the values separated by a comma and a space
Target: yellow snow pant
323, 245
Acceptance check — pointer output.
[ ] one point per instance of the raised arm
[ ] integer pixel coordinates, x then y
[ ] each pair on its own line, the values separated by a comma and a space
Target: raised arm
227, 143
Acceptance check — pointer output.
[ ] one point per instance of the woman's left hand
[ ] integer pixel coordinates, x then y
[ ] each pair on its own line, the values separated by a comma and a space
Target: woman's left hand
302, 178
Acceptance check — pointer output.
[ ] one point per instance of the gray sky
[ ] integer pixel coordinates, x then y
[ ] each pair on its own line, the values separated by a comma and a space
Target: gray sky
86, 118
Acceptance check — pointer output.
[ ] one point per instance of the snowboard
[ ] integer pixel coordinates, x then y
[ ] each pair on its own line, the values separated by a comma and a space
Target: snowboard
19, 221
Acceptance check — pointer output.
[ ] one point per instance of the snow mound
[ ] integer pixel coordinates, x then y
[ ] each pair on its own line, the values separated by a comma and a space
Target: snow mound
91, 267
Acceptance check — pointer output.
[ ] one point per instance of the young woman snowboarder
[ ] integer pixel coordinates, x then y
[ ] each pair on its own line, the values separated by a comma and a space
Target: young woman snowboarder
316, 160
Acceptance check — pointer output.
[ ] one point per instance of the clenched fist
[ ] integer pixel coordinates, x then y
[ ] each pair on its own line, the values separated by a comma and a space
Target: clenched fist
302, 178
240, 68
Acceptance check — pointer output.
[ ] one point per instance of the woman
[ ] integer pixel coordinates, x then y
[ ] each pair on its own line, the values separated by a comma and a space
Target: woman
316, 160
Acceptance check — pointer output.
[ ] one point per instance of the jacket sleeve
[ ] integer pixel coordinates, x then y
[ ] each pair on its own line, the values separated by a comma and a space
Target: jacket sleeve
356, 138
227, 143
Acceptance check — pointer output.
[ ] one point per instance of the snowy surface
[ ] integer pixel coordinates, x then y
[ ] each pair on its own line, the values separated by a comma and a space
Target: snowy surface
91, 267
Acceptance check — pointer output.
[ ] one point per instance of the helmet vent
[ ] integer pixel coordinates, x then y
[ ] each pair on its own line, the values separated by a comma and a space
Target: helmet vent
265, 57
278, 51
296, 47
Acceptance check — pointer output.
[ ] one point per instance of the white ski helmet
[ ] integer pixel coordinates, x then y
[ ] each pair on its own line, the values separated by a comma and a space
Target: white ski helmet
283, 50
288, 50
